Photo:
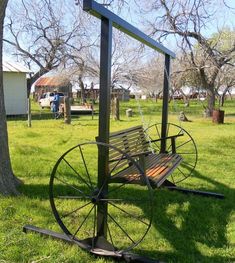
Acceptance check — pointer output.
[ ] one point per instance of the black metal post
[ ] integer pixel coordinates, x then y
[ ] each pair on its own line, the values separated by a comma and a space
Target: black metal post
104, 119
166, 86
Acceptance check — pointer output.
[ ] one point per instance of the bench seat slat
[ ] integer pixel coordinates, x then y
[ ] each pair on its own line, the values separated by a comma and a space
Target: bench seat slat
156, 171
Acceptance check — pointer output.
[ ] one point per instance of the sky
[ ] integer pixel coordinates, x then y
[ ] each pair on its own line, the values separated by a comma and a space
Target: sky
223, 18
131, 15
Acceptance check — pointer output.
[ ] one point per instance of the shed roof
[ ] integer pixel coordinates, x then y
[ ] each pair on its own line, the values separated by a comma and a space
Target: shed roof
52, 81
9, 66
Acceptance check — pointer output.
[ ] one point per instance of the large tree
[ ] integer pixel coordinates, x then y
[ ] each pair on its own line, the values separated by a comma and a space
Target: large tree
8, 182
50, 33
46, 34
188, 21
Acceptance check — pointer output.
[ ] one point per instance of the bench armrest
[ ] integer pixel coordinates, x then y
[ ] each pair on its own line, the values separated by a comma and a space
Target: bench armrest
172, 138
168, 137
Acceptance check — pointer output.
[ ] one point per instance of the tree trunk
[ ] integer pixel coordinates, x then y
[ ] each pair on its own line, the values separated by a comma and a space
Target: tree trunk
210, 100
8, 181
115, 109
186, 100
222, 99
40, 73
81, 85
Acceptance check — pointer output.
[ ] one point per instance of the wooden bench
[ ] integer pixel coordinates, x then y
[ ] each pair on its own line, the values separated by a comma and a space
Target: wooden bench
156, 166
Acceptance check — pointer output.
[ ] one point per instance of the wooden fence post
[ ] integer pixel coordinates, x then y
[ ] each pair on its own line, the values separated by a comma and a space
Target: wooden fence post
115, 109
29, 112
67, 110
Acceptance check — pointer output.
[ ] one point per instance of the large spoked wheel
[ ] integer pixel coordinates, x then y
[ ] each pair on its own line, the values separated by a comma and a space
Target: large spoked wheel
84, 207
185, 146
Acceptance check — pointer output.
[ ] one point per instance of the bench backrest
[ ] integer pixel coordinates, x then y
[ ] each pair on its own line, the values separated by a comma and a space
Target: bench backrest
131, 141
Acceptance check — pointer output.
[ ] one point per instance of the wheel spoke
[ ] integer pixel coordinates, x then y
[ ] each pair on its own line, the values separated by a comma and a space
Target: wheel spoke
83, 221
72, 197
123, 230
180, 131
183, 144
187, 164
107, 199
185, 176
120, 200
76, 210
159, 136
71, 186
107, 178
79, 176
111, 203
88, 175
116, 165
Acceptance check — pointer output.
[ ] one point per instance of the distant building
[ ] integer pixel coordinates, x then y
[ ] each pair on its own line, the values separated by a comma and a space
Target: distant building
48, 84
15, 88
121, 93
93, 92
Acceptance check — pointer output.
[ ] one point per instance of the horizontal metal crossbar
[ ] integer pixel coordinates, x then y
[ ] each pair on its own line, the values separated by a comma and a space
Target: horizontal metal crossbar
196, 192
100, 11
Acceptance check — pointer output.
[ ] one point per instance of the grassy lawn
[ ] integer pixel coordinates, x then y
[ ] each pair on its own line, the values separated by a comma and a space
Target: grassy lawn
185, 228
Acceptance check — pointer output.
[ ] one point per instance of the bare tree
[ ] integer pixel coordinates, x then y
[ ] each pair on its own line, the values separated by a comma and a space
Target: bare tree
46, 34
184, 75
8, 182
186, 20
149, 76
126, 58
224, 83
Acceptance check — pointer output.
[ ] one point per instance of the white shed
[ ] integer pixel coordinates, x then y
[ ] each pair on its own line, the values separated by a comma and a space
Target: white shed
15, 88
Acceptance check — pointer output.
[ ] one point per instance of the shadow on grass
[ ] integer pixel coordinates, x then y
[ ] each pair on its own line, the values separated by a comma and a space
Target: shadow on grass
202, 227
229, 114
35, 191
203, 224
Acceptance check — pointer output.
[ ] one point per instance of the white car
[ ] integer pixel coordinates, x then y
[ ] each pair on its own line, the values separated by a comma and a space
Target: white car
47, 98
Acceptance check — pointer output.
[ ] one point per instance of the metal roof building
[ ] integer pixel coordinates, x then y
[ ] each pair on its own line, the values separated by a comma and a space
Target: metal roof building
15, 87
9, 66
48, 84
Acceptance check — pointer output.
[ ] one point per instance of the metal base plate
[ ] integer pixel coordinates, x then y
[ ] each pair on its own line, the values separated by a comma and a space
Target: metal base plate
102, 246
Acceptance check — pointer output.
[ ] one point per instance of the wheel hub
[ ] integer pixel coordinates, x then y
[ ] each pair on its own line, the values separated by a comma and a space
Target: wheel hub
96, 197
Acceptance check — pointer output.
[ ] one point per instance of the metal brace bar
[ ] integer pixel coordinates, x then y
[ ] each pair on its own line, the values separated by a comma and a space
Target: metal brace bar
99, 11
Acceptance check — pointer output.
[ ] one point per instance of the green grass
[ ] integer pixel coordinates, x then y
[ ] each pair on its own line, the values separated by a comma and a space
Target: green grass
185, 228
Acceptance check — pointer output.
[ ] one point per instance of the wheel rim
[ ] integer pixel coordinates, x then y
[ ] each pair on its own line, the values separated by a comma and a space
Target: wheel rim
74, 199
185, 146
